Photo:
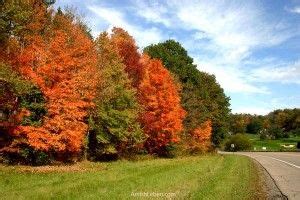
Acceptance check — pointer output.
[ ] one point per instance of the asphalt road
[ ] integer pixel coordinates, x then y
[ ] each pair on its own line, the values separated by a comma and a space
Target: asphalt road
284, 167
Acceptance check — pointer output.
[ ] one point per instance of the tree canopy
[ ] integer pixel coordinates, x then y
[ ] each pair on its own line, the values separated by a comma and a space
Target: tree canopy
65, 96
114, 127
201, 96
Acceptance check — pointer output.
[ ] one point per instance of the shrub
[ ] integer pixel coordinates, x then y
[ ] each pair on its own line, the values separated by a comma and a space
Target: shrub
263, 135
275, 132
295, 132
27, 156
241, 142
35, 157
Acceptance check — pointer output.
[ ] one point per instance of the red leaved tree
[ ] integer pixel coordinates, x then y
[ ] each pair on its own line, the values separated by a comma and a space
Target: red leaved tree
157, 93
128, 51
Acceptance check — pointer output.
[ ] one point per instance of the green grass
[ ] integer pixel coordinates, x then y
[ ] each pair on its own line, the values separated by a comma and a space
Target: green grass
273, 145
203, 177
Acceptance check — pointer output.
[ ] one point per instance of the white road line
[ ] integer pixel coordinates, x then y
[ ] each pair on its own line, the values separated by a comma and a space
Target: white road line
283, 161
290, 154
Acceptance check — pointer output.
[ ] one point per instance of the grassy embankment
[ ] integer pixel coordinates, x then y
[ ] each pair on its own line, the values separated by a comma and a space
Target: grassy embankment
202, 177
273, 145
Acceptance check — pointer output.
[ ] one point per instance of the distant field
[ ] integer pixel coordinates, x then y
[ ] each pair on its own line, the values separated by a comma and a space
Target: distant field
203, 177
273, 145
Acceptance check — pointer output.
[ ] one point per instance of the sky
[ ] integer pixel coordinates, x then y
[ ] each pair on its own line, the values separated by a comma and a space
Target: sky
252, 47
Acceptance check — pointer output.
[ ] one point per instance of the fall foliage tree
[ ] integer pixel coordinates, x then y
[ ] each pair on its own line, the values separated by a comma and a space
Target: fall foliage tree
239, 122
60, 59
201, 138
58, 86
21, 103
201, 96
114, 128
279, 123
12, 88
15, 15
163, 115
286, 119
128, 51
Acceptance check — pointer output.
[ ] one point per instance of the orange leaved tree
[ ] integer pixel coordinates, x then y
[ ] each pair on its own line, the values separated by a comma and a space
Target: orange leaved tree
200, 140
60, 59
163, 115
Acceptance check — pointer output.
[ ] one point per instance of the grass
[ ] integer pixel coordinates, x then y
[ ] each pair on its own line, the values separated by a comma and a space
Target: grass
273, 145
203, 177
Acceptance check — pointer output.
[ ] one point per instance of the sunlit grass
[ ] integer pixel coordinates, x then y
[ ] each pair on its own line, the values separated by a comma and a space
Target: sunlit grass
203, 177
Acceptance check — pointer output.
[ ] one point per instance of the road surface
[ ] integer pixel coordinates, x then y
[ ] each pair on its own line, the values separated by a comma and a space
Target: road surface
284, 167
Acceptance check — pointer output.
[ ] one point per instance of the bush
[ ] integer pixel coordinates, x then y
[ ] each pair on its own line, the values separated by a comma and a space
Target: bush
295, 132
241, 142
35, 157
275, 132
263, 134
26, 156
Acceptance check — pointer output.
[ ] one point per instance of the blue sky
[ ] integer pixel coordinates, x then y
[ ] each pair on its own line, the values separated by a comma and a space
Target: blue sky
252, 47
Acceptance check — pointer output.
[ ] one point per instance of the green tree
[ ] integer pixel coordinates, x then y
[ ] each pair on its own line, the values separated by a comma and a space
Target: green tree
17, 94
114, 128
255, 125
13, 18
286, 120
201, 96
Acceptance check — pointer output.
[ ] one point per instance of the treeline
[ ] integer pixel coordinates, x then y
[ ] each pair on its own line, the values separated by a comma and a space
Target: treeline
65, 96
276, 124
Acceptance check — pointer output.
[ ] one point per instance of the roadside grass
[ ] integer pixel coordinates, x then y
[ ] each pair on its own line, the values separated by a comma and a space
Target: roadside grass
273, 145
197, 177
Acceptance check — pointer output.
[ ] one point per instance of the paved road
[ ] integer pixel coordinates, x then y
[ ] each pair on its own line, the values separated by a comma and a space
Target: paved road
284, 167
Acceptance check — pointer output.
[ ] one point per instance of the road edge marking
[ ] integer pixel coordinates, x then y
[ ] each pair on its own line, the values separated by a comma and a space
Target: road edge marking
291, 164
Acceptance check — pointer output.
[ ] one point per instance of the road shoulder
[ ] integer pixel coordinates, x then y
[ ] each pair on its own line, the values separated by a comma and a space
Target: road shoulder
267, 184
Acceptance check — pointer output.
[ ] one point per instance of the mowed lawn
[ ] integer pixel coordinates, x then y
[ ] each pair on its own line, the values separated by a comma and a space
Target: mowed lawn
197, 177
273, 145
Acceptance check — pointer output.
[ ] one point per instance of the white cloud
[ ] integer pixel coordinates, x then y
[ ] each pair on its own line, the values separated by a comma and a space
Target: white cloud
233, 31
283, 73
294, 10
229, 24
200, 36
143, 36
221, 26
152, 11
230, 78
